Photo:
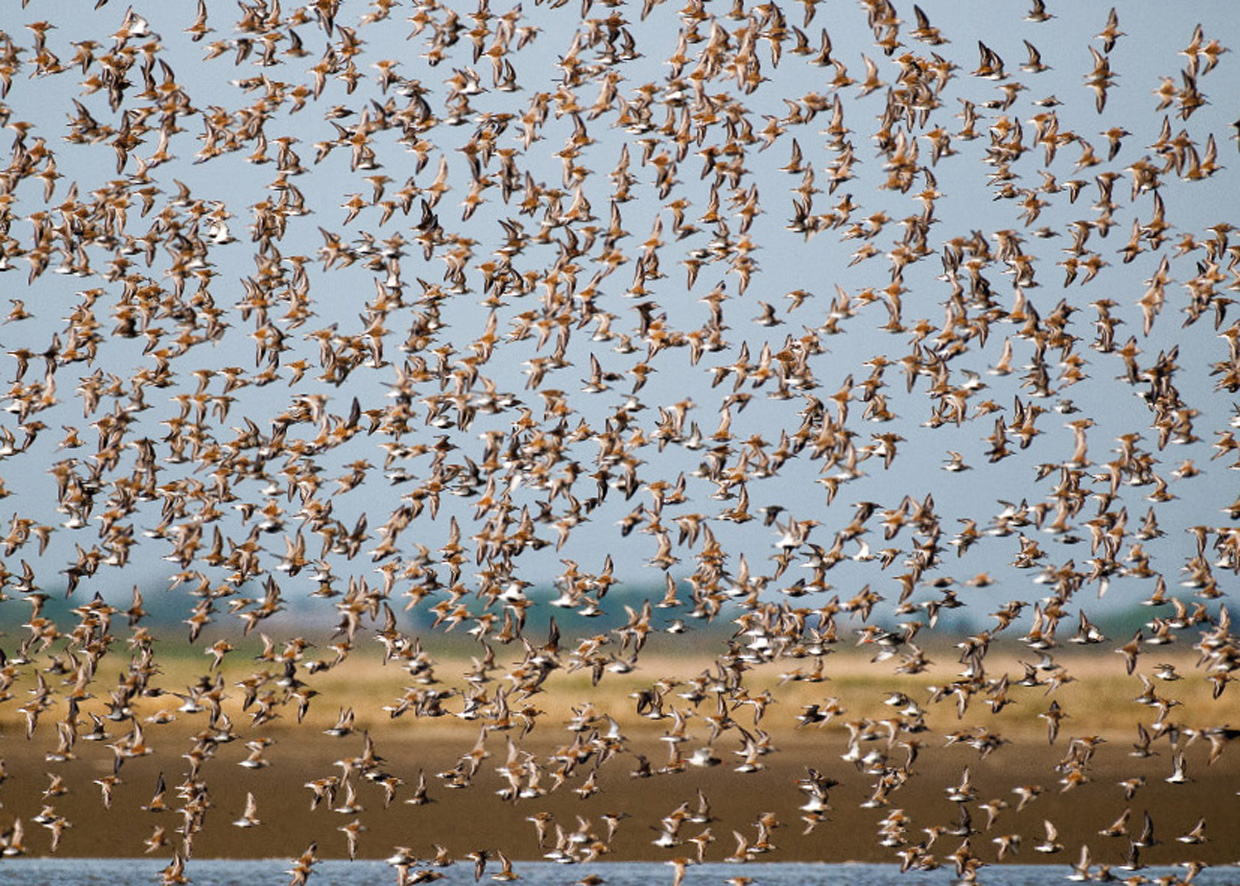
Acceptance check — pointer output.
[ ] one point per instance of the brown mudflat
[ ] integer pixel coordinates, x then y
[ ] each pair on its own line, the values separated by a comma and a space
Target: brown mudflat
463, 820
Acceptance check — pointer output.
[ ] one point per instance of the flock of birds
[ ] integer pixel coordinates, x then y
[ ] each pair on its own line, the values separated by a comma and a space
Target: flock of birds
278, 395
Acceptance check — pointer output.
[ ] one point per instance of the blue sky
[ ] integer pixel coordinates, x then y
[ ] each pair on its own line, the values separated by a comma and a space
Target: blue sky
786, 262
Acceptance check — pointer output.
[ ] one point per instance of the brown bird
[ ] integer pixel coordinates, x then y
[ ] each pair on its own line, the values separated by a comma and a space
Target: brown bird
249, 818
1053, 717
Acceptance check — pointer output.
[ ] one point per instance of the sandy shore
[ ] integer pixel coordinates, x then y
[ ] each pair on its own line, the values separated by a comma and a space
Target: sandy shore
1098, 703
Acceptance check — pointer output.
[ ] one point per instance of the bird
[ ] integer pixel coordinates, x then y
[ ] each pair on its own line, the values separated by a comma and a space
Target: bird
157, 839
1053, 716
679, 866
505, 873
1195, 834
479, 857
1119, 828
1179, 767
1050, 845
249, 818
692, 479
1111, 32
352, 832
156, 803
304, 864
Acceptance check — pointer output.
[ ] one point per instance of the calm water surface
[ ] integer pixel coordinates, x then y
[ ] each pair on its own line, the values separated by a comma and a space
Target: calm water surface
63, 872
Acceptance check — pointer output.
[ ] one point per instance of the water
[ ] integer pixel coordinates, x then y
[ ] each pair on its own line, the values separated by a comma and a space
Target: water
75, 872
